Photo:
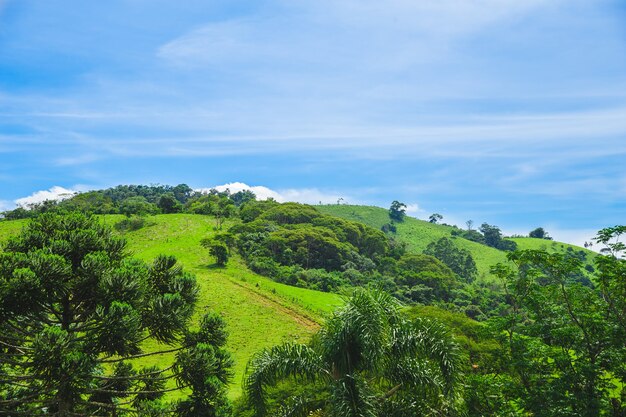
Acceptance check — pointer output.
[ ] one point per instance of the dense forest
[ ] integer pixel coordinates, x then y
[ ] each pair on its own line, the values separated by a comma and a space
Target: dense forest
417, 333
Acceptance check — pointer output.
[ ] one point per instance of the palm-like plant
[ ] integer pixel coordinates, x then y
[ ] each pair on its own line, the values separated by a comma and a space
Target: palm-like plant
370, 362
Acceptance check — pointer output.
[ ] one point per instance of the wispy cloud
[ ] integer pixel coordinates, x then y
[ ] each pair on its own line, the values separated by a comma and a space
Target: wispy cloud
452, 103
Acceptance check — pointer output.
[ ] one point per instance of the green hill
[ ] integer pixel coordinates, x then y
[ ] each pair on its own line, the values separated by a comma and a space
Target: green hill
258, 311
419, 233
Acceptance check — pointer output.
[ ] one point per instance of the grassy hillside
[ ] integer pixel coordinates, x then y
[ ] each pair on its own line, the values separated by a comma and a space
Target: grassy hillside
259, 312
549, 245
419, 233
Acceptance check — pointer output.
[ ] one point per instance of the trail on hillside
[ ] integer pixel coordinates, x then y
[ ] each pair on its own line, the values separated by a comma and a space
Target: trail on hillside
272, 303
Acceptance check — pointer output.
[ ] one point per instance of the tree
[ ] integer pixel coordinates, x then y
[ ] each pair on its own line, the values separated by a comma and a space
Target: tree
242, 197
182, 193
424, 278
493, 237
397, 211
169, 204
75, 311
369, 361
137, 206
458, 260
564, 339
435, 217
223, 209
539, 233
217, 249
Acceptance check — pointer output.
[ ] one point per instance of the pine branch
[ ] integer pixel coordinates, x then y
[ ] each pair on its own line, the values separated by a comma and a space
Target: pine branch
141, 355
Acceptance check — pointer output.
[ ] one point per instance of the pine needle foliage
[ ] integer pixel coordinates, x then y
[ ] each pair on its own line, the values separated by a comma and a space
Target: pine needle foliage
75, 315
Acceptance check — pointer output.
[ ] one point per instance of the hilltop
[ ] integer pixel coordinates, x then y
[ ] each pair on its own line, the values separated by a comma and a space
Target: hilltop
419, 233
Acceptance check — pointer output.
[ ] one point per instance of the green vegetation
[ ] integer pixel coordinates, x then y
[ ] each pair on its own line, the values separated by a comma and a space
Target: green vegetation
564, 337
258, 311
76, 312
548, 339
367, 360
418, 234
458, 260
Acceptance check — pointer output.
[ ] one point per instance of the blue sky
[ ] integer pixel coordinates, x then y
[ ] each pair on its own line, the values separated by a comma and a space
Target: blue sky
502, 111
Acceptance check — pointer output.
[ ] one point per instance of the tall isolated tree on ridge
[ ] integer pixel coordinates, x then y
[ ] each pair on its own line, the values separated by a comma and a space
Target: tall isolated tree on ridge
74, 313
397, 211
370, 361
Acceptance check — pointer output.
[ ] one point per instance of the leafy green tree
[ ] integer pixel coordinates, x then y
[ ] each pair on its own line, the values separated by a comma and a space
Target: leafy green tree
242, 197
254, 209
424, 279
89, 202
397, 211
182, 193
493, 237
137, 206
539, 233
17, 213
218, 249
223, 209
169, 204
75, 311
368, 360
611, 272
564, 345
435, 218
457, 259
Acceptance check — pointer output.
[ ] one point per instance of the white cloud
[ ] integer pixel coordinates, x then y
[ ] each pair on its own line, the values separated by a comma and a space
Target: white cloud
314, 196
262, 193
300, 195
54, 193
413, 209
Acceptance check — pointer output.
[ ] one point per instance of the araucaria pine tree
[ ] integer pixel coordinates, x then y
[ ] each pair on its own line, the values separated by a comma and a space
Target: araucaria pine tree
76, 316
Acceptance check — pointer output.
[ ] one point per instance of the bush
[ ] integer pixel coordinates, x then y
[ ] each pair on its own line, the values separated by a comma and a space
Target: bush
130, 224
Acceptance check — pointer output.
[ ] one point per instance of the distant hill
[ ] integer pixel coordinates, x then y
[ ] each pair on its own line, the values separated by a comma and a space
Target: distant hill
419, 233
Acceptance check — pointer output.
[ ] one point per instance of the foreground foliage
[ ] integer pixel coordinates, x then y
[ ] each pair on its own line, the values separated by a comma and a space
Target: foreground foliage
75, 315
566, 340
367, 360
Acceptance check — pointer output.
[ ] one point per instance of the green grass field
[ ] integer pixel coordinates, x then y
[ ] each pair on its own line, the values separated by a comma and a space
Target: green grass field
258, 311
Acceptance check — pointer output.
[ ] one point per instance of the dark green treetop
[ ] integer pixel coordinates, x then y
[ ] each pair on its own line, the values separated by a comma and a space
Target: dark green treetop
397, 211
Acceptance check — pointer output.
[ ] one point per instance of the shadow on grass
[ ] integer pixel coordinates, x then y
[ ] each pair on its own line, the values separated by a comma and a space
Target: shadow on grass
214, 266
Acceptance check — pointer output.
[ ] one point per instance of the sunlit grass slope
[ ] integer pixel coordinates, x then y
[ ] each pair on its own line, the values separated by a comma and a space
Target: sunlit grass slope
418, 234
258, 312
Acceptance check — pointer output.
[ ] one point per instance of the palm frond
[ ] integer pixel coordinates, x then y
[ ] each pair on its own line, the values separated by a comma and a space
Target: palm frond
352, 397
271, 365
427, 339
299, 407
